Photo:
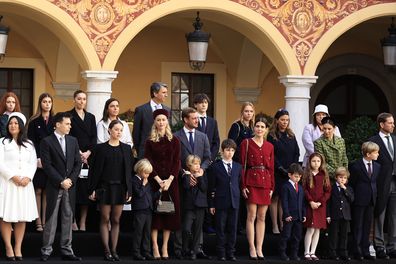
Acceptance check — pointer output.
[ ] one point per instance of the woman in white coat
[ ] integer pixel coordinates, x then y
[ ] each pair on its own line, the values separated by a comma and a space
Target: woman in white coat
313, 131
18, 163
110, 113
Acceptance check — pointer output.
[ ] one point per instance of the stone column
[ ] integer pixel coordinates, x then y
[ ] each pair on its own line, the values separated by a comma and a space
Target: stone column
98, 90
297, 103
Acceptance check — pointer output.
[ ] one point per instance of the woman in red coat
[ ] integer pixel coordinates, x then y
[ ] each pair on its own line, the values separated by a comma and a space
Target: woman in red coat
162, 149
317, 191
257, 159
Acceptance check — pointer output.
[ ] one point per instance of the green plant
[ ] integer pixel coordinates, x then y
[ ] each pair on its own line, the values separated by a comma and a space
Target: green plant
177, 126
358, 131
127, 115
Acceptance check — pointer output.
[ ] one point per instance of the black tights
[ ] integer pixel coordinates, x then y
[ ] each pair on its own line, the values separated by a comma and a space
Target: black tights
110, 214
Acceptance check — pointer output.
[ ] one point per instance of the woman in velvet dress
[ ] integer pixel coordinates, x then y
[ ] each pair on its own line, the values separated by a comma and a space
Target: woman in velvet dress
40, 126
162, 149
83, 127
286, 152
257, 184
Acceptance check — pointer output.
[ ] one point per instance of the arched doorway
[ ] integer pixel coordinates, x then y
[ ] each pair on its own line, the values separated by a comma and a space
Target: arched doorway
351, 96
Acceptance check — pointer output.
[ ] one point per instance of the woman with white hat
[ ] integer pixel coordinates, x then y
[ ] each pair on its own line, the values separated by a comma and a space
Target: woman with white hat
313, 131
18, 163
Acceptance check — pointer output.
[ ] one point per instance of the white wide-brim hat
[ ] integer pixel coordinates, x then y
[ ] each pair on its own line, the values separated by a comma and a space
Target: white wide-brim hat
18, 114
321, 108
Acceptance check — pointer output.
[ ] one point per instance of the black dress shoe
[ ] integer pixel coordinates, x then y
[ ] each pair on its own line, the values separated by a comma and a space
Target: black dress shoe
381, 255
221, 258
202, 255
71, 258
392, 254
115, 256
359, 257
345, 258
334, 257
18, 258
369, 257
178, 255
12, 258
44, 258
231, 258
284, 257
138, 257
108, 257
148, 256
295, 257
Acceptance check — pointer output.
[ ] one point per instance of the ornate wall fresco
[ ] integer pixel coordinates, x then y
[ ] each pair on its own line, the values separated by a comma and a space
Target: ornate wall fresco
301, 22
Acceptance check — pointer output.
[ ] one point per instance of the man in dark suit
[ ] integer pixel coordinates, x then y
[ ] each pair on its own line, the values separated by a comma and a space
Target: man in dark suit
143, 117
61, 161
364, 175
193, 142
386, 184
224, 195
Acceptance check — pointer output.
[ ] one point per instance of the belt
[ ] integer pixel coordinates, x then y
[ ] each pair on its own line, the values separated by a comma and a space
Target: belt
257, 167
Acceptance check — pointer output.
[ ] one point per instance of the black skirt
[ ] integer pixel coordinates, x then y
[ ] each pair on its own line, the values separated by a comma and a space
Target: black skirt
111, 194
40, 179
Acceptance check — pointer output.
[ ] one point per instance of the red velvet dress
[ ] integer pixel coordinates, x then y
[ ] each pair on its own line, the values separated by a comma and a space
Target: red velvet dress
317, 218
259, 175
165, 158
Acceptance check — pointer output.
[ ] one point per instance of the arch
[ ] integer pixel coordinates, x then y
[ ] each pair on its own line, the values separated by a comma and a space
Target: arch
60, 24
360, 64
341, 27
251, 24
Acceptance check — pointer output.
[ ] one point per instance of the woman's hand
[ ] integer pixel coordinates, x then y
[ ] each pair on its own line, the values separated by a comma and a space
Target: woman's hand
24, 181
245, 192
212, 211
92, 197
16, 180
39, 165
128, 198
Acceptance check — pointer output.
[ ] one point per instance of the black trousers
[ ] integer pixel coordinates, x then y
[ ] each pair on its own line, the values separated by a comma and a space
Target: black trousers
362, 219
141, 233
192, 230
338, 237
226, 231
292, 232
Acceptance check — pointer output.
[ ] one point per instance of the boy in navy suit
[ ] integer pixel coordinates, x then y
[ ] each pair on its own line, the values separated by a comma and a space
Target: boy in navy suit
142, 206
364, 175
224, 195
194, 205
339, 215
293, 206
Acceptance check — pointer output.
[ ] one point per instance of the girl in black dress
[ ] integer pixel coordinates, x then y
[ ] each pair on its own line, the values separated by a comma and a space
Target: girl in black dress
40, 126
109, 182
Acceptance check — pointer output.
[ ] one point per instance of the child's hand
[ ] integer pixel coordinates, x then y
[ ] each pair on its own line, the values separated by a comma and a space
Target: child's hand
145, 181
304, 219
212, 211
342, 186
289, 219
199, 173
328, 220
193, 180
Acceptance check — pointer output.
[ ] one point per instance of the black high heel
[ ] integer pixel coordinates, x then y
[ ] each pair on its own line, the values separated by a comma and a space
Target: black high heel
253, 258
115, 256
108, 257
12, 258
18, 258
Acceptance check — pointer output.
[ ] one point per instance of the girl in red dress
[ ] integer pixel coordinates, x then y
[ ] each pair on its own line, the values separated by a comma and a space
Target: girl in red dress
257, 159
317, 189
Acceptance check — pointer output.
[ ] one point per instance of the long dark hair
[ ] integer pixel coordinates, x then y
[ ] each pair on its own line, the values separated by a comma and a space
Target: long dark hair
39, 111
105, 115
22, 138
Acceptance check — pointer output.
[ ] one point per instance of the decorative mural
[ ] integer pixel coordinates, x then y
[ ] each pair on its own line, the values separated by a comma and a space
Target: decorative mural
301, 22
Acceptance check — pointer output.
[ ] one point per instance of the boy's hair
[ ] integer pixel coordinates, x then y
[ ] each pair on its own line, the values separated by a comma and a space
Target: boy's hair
342, 171
143, 165
295, 168
228, 143
369, 147
199, 98
191, 159
60, 116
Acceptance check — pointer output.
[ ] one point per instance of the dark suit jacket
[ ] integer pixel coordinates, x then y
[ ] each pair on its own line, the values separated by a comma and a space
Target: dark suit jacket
224, 191
339, 204
201, 148
96, 173
293, 203
37, 130
84, 130
143, 197
58, 168
142, 123
194, 196
364, 187
386, 174
212, 131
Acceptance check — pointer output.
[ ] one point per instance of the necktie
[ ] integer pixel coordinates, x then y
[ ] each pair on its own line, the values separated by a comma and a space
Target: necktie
62, 143
203, 123
296, 186
390, 147
191, 140
369, 170
229, 169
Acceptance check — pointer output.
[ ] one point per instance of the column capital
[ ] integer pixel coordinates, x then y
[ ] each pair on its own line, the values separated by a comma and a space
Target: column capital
297, 79
99, 74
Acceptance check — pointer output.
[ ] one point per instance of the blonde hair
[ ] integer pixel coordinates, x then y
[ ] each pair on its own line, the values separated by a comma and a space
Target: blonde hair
369, 147
341, 171
251, 122
191, 159
143, 165
155, 136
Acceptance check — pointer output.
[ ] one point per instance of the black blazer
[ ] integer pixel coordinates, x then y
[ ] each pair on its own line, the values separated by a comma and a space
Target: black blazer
364, 187
386, 174
339, 204
96, 172
212, 131
142, 124
224, 191
143, 197
37, 130
195, 196
58, 168
84, 130
293, 203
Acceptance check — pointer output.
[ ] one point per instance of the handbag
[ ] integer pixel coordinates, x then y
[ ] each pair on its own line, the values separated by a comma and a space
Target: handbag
84, 171
165, 207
